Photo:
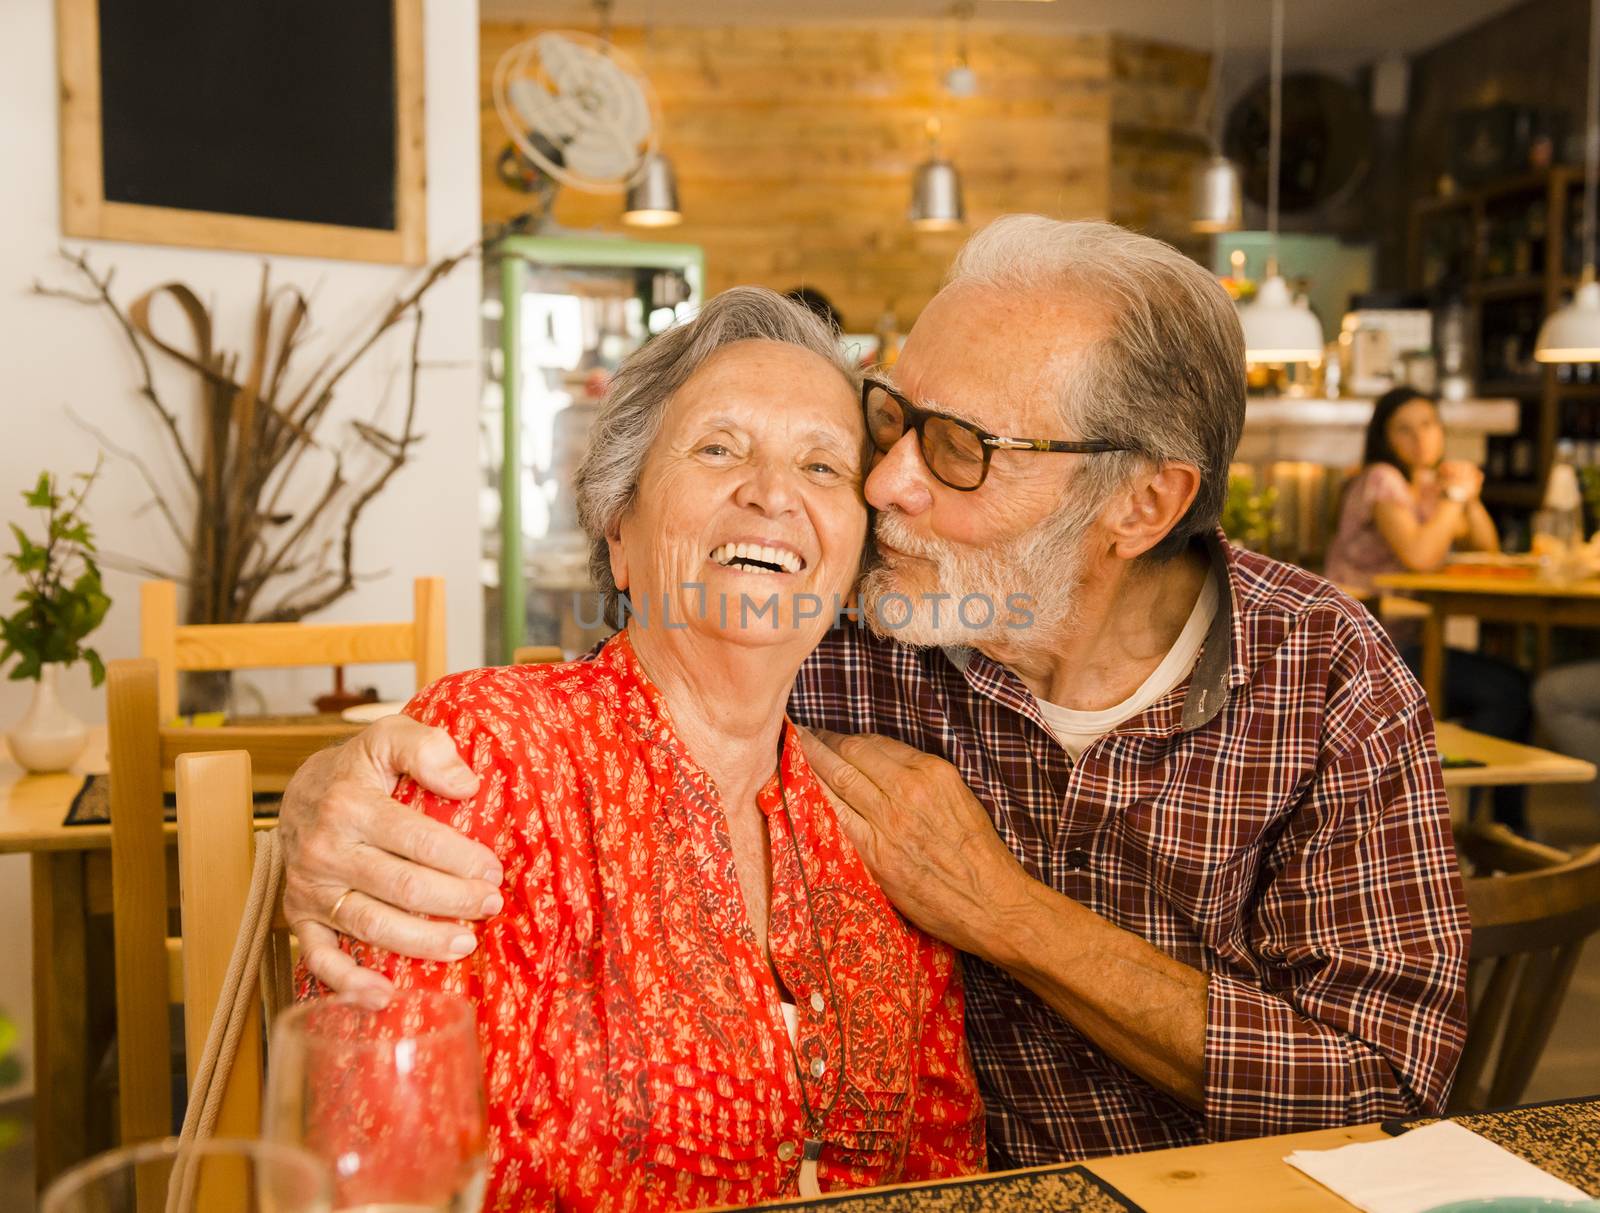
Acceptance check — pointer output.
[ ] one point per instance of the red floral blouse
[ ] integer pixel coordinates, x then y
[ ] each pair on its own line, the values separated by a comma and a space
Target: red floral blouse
636, 1052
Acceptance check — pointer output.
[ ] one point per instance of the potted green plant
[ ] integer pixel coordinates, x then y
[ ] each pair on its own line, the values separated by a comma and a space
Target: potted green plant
62, 602
10, 1076
1248, 515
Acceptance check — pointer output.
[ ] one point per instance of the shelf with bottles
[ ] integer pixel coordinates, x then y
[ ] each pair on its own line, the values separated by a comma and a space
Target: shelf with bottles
1572, 236
1448, 242
1516, 239
1508, 329
1519, 495
1512, 238
1516, 287
1519, 389
1577, 379
1578, 437
1514, 458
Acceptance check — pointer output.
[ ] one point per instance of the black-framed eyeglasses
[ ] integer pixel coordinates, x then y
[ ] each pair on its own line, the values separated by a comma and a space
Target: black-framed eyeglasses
956, 452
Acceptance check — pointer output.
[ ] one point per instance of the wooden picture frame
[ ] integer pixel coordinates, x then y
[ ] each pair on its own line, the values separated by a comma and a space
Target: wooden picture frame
86, 212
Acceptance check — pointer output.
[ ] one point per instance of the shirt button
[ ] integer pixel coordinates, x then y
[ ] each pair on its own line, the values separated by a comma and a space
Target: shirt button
816, 1002
786, 1150
818, 1066
1075, 859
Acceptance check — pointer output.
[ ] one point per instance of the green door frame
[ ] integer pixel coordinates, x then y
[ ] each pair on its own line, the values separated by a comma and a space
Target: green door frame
518, 254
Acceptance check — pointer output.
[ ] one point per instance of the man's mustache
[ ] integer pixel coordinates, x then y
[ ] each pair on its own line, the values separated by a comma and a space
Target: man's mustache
894, 531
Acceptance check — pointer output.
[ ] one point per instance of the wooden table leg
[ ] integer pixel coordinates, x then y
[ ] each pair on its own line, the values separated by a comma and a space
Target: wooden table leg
61, 1050
1433, 659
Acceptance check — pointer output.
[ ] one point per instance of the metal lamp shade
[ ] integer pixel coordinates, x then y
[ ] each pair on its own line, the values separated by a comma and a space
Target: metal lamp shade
1572, 334
653, 198
1276, 329
936, 197
1218, 199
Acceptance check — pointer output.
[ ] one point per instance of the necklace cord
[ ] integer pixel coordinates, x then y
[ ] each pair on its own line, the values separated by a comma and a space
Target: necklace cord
814, 1121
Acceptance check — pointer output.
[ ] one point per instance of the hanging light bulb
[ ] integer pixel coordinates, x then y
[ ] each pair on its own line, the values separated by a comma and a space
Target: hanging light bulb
936, 204
1218, 199
1572, 334
1276, 329
653, 196
960, 80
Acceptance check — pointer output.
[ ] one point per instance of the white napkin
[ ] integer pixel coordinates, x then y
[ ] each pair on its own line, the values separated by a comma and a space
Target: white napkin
1427, 1167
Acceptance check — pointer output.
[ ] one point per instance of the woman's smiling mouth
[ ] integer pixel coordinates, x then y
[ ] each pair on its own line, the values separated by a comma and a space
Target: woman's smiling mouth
758, 558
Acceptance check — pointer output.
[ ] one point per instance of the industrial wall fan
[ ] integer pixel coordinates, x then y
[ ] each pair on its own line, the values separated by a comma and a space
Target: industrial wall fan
579, 113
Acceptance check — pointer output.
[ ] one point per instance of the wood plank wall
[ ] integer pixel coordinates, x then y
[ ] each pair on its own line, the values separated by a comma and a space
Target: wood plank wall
794, 147
1158, 95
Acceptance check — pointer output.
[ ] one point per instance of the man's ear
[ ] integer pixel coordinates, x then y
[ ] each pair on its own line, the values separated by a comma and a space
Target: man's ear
1143, 512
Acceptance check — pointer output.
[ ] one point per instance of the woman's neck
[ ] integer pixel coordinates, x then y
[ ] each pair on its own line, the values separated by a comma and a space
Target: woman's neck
727, 701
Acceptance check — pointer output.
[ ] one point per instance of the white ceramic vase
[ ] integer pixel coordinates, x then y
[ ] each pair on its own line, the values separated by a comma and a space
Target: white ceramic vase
48, 737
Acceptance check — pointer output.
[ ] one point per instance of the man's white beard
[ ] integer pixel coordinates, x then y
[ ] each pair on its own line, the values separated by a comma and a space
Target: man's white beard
1039, 573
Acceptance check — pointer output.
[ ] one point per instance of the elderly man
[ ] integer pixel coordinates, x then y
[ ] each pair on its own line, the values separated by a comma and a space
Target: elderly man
1182, 813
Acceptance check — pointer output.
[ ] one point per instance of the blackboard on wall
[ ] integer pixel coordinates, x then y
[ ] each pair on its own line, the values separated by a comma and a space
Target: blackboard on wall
290, 126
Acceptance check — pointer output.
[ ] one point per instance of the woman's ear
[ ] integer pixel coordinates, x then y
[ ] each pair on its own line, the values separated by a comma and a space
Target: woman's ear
619, 555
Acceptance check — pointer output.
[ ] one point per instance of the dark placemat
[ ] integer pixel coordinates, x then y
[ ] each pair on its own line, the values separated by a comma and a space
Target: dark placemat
1065, 1189
92, 805
1561, 1137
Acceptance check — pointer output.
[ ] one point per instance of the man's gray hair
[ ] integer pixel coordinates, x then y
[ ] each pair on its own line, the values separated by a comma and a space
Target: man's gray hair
630, 418
1168, 378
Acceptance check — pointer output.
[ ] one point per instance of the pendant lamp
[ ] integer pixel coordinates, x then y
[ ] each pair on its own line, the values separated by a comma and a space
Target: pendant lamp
1572, 334
1276, 329
936, 190
653, 197
1218, 200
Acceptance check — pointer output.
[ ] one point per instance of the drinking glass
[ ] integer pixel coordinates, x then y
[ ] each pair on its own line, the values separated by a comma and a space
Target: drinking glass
216, 1176
391, 1100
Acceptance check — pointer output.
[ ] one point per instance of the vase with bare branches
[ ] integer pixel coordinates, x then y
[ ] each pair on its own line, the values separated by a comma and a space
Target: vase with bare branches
257, 552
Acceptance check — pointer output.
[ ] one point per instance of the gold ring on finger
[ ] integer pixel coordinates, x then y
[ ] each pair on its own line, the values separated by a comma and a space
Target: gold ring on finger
333, 914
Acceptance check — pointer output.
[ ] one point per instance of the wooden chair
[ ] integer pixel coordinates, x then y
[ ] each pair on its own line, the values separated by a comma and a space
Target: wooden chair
1529, 924
536, 654
241, 646
216, 848
142, 700
150, 970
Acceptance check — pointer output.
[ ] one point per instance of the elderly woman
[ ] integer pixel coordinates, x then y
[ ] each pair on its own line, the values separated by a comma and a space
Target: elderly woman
694, 994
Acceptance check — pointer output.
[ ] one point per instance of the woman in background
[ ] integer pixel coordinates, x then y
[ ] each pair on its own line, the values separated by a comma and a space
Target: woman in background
1406, 511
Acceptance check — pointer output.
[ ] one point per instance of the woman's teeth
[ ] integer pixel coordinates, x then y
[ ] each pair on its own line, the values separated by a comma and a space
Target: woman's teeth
757, 558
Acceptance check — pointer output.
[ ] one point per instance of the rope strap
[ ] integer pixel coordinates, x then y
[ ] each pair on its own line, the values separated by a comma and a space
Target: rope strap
244, 982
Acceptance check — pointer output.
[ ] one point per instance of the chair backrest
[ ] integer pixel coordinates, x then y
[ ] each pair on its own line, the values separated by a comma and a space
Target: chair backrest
241, 646
141, 698
1529, 924
142, 758
216, 845
536, 654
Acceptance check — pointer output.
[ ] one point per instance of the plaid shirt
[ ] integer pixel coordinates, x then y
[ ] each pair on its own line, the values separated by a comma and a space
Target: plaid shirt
1277, 820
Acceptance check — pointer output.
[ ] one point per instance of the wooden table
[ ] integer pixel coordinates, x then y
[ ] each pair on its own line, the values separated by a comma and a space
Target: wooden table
74, 998
1236, 1176
1540, 601
1225, 1177
1505, 762
1231, 1176
67, 988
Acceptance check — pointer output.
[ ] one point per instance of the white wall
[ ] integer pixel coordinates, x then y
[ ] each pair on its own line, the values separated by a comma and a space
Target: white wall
55, 354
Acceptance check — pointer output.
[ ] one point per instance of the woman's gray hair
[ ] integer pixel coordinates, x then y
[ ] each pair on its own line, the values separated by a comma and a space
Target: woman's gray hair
630, 417
1168, 378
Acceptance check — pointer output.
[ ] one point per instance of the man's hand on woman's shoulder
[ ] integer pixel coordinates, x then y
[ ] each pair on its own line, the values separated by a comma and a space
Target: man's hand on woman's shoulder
358, 862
